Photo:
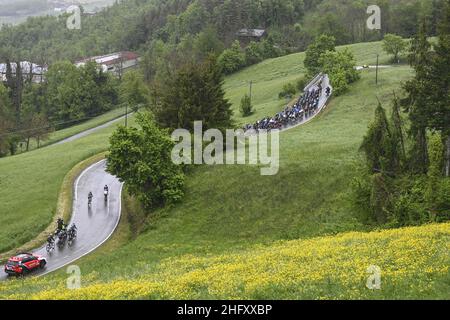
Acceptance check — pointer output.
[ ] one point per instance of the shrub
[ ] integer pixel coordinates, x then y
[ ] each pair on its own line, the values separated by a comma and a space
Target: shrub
339, 83
289, 90
231, 60
443, 200
142, 159
302, 83
253, 54
246, 107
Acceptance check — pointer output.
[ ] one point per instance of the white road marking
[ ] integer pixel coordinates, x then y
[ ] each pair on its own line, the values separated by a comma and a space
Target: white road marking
102, 242
81, 175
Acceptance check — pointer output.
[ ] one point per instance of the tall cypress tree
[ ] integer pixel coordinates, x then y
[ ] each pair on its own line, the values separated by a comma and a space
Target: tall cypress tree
377, 144
439, 106
418, 99
398, 141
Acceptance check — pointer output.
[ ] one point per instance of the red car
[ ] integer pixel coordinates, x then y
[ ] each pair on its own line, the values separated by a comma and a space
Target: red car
24, 263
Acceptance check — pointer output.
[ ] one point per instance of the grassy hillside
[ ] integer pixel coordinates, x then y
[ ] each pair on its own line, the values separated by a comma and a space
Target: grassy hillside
267, 237
36, 176
240, 235
269, 77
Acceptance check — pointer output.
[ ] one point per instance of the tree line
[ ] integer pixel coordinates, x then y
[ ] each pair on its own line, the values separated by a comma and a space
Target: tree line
67, 96
157, 28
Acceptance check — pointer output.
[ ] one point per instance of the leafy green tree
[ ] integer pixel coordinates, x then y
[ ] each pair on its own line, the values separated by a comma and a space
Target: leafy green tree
35, 126
340, 68
99, 90
133, 90
380, 197
231, 60
321, 45
398, 140
34, 121
246, 107
382, 149
77, 93
141, 157
253, 54
5, 119
193, 19
333, 25
339, 82
268, 49
395, 45
64, 92
207, 42
377, 144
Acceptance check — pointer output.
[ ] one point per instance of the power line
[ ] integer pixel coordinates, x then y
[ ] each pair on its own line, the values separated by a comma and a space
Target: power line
45, 127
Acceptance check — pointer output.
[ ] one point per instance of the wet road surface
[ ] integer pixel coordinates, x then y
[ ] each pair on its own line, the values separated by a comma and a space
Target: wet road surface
95, 225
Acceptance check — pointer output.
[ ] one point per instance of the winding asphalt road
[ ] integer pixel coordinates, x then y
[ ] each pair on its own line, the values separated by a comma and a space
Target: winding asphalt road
95, 225
89, 131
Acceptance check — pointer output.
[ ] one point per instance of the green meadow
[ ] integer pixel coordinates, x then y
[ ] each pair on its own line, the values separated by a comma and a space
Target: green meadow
232, 214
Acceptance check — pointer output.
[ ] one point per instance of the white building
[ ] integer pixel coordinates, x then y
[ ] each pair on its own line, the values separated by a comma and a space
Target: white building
29, 69
116, 63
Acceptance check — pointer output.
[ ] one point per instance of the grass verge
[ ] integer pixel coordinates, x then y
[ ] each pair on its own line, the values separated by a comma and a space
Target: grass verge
30, 185
63, 208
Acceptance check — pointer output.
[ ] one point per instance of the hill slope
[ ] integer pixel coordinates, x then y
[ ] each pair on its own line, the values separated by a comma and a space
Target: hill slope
37, 175
264, 237
414, 263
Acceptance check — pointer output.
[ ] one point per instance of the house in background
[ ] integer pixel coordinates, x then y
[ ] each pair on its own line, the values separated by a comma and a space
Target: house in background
30, 71
246, 36
116, 63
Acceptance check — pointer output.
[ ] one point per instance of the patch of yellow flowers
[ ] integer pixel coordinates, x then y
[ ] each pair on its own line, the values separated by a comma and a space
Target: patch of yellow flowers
412, 262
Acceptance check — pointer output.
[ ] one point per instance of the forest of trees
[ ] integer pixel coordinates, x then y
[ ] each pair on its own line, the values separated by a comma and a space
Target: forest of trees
69, 95
170, 34
139, 24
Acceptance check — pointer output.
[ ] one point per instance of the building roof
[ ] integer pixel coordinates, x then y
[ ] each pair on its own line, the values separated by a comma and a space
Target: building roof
110, 59
254, 33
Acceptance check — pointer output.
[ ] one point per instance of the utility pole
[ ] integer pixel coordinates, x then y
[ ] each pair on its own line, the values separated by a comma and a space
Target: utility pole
376, 77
